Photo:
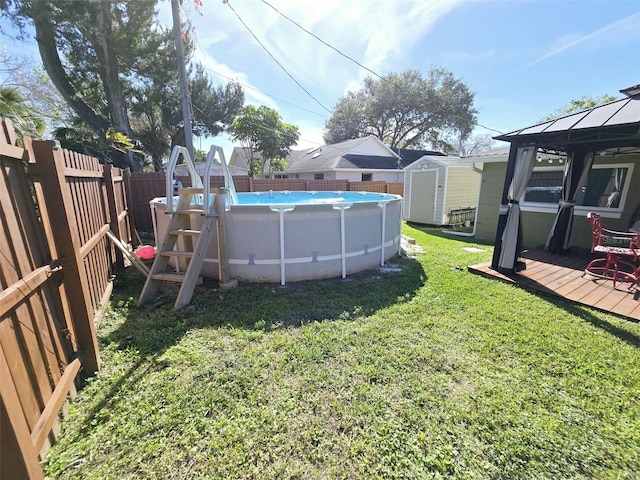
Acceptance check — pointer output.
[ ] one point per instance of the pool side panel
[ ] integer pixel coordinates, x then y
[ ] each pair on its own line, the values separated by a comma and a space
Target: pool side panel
312, 240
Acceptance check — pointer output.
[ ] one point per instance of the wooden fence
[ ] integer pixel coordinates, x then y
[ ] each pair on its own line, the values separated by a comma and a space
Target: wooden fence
147, 186
56, 265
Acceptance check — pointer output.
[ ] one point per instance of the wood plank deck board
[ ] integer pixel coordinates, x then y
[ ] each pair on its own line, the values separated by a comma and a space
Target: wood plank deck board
562, 276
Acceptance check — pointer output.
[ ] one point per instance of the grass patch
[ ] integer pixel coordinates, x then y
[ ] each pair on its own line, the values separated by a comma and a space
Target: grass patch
424, 371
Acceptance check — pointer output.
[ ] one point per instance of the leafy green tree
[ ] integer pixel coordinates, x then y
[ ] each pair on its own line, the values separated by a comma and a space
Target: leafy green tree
260, 130
89, 49
157, 116
26, 120
584, 103
116, 68
405, 110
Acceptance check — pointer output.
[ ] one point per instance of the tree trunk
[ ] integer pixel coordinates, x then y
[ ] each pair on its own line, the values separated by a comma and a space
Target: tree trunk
108, 61
45, 36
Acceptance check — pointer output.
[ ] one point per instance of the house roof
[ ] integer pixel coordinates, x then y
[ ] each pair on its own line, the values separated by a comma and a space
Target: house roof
410, 155
443, 160
243, 154
370, 162
366, 153
613, 124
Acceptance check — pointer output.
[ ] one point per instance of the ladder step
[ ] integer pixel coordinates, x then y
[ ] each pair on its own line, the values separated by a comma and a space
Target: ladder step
177, 253
191, 211
191, 190
184, 231
168, 277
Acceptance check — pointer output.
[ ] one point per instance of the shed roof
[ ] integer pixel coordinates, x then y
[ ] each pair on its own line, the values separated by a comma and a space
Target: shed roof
443, 160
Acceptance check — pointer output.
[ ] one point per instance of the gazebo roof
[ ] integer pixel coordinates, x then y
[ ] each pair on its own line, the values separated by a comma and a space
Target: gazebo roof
612, 125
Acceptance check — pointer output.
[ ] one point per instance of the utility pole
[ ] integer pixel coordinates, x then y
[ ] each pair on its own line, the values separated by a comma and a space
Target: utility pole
184, 89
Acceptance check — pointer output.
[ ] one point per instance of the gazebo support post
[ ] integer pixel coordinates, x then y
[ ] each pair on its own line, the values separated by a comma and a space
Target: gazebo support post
504, 207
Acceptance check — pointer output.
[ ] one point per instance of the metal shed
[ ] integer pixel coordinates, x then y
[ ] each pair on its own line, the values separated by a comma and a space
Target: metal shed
441, 190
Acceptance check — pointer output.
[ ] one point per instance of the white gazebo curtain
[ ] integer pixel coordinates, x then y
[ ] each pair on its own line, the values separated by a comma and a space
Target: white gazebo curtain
576, 172
510, 242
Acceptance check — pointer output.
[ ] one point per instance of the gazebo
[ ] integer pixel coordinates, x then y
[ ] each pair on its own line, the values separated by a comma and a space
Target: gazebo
612, 128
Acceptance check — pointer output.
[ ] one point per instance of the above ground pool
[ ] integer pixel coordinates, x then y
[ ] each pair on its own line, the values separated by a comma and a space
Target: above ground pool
295, 236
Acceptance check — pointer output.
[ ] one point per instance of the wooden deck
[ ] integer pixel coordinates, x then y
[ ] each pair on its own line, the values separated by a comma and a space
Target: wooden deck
561, 276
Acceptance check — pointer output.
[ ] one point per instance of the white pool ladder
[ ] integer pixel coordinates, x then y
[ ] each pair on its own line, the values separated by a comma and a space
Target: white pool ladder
192, 250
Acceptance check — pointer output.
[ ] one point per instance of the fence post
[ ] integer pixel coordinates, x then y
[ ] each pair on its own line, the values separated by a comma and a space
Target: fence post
51, 167
133, 233
114, 222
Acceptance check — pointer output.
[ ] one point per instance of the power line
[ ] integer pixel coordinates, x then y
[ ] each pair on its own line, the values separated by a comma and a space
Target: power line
354, 60
251, 87
298, 83
274, 58
321, 40
264, 127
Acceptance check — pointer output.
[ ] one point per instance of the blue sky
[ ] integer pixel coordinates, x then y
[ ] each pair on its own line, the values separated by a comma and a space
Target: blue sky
523, 59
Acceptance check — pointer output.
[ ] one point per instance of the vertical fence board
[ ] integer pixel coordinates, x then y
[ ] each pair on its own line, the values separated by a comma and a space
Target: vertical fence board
19, 438
110, 208
47, 318
144, 188
51, 162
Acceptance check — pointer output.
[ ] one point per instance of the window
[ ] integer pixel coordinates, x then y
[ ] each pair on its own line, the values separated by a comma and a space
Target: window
318, 176
367, 177
280, 175
605, 190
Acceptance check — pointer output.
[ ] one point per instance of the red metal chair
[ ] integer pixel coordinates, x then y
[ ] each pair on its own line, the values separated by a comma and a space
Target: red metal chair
620, 248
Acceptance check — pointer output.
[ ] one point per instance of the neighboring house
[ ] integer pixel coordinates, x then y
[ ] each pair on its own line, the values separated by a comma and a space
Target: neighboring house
240, 158
360, 159
441, 190
611, 190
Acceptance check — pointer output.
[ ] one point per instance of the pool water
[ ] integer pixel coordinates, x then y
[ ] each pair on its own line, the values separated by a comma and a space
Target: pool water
309, 198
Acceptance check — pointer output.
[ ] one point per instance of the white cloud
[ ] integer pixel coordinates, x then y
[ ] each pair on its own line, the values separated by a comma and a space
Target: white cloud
222, 73
373, 33
310, 137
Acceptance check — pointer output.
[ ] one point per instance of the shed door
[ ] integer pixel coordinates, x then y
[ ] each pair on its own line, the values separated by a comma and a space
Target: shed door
423, 196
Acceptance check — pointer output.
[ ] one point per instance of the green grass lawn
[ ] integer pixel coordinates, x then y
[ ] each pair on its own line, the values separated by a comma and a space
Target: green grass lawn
422, 371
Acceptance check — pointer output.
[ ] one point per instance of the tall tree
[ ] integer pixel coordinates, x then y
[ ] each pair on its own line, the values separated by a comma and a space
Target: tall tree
405, 110
157, 118
261, 131
88, 49
116, 68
